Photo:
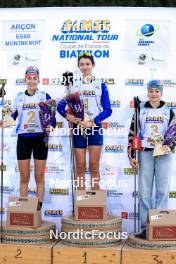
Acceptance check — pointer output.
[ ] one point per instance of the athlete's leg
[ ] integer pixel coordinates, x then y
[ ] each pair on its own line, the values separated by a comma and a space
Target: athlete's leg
24, 150
40, 153
146, 180
163, 169
24, 168
80, 159
95, 143
79, 148
94, 160
39, 166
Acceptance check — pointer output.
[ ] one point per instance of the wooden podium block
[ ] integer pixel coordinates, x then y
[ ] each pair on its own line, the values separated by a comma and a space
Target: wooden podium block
66, 255
147, 256
26, 254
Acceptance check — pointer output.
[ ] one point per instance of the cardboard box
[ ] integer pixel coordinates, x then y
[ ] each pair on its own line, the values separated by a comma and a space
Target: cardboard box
161, 225
90, 205
22, 211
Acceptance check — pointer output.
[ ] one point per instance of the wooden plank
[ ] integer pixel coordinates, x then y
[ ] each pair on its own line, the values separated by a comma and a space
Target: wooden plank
26, 254
147, 256
66, 255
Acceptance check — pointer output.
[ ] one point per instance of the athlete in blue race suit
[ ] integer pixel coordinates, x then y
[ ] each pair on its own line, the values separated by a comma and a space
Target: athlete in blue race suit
97, 108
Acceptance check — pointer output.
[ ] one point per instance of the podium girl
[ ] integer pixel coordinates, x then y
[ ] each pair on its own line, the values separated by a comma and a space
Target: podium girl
97, 107
30, 134
154, 119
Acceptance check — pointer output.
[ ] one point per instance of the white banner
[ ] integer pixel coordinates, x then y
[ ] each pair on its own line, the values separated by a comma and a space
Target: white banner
130, 47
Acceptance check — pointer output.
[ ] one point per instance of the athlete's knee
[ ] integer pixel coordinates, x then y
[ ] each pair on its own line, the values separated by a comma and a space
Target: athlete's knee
24, 179
39, 178
80, 168
94, 167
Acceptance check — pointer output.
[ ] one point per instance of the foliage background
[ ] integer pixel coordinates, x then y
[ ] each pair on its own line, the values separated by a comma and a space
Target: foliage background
44, 3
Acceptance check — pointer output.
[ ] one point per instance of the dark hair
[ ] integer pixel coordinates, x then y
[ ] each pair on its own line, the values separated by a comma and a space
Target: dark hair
86, 55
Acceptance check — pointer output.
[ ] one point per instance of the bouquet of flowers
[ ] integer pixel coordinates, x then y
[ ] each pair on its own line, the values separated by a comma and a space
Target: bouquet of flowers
47, 115
170, 136
75, 104
76, 107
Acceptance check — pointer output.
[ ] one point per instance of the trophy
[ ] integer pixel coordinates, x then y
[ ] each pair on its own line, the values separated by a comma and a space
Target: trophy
7, 119
159, 148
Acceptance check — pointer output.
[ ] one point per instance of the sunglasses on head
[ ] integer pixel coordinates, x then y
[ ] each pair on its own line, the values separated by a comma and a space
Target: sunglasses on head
85, 53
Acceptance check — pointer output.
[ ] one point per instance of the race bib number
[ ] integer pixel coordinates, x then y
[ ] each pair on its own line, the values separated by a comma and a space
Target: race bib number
31, 117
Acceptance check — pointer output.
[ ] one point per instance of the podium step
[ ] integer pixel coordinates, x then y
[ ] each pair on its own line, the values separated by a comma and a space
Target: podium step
26, 254
73, 255
26, 235
132, 255
101, 233
146, 244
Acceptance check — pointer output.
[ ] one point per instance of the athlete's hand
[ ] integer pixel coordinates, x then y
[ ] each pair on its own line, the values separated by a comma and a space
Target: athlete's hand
73, 119
49, 129
166, 149
1, 123
134, 163
86, 124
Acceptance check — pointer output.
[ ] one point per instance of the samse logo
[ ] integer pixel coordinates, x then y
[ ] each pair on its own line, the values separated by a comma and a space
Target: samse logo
86, 26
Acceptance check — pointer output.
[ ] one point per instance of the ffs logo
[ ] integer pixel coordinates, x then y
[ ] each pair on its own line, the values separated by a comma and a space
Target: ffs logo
147, 30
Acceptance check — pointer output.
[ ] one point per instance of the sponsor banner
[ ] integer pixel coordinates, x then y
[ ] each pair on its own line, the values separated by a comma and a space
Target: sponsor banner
22, 59
93, 36
128, 52
23, 34
53, 213
148, 35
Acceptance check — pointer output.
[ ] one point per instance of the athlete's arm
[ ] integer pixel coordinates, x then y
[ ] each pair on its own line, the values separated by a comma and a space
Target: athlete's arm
14, 113
61, 108
105, 101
